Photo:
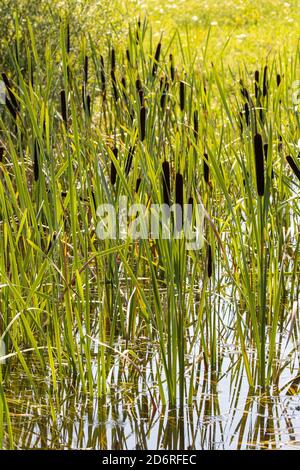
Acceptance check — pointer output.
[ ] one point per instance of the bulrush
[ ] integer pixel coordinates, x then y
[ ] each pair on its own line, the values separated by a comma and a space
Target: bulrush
63, 106
143, 123
196, 124
124, 91
209, 261
137, 186
181, 95
179, 201
259, 164
206, 168
8, 86
36, 161
165, 89
102, 75
113, 59
244, 91
278, 79
113, 171
140, 91
166, 182
86, 69
266, 151
172, 69
128, 56
256, 83
293, 166
190, 209
114, 84
68, 48
247, 113
129, 160
265, 81
156, 59
88, 105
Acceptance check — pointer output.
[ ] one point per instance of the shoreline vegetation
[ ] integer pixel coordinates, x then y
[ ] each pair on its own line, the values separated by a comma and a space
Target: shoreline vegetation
108, 324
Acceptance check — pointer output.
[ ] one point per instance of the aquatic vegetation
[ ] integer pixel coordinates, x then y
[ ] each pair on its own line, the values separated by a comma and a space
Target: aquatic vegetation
145, 321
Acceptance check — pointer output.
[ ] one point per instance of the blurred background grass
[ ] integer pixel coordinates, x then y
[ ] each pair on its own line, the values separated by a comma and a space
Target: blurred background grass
248, 30
239, 30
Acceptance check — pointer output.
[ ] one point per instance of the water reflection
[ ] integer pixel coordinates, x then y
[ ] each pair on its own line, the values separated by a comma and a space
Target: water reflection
222, 415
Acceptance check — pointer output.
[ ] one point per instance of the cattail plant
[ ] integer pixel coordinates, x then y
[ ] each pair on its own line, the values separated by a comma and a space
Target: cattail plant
156, 59
113, 59
259, 164
68, 42
129, 160
137, 185
190, 209
166, 182
172, 69
36, 161
266, 146
114, 84
165, 89
265, 81
247, 113
209, 261
142, 123
179, 201
256, 83
206, 168
278, 79
1, 153
293, 166
12, 97
140, 91
63, 106
113, 171
88, 105
102, 76
181, 95
244, 91
196, 124
86, 69
128, 56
